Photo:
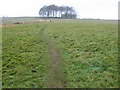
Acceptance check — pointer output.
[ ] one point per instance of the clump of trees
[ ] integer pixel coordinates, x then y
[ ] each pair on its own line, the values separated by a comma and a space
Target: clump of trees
54, 11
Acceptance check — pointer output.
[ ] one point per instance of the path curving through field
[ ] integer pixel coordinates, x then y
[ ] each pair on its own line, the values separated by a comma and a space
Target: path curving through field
55, 76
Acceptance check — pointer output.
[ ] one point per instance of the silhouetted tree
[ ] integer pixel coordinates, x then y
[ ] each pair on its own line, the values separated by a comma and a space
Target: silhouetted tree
43, 11
54, 10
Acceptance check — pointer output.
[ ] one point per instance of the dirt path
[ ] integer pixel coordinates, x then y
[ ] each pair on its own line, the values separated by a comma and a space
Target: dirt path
55, 77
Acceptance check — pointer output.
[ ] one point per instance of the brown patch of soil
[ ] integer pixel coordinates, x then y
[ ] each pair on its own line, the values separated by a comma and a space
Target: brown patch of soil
7, 25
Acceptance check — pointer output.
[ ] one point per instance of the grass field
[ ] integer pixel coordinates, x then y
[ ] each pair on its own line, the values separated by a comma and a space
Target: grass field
71, 53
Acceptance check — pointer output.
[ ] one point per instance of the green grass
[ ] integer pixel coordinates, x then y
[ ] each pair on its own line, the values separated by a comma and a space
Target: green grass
88, 48
89, 51
24, 56
0, 58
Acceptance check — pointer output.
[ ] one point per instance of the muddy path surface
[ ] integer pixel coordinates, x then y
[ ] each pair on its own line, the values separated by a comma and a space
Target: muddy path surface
55, 77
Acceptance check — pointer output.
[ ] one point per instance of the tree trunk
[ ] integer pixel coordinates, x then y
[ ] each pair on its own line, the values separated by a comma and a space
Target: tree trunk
53, 14
48, 14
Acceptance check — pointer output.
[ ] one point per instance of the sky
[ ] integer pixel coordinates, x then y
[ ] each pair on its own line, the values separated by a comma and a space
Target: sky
96, 9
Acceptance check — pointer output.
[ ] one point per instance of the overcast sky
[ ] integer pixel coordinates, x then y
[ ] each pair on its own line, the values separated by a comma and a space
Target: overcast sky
97, 9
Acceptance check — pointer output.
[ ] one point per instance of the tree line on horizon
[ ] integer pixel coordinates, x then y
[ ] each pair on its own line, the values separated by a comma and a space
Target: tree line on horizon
54, 11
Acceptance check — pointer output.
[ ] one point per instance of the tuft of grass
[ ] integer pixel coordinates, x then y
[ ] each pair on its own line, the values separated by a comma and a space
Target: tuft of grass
24, 57
88, 49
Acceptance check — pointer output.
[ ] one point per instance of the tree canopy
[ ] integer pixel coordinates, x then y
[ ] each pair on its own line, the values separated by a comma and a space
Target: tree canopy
57, 11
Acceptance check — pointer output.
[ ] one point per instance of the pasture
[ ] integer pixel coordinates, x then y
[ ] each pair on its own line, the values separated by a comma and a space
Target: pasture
61, 53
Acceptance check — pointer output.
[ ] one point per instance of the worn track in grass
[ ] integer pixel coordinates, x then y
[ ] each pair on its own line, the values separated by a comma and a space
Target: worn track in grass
55, 77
